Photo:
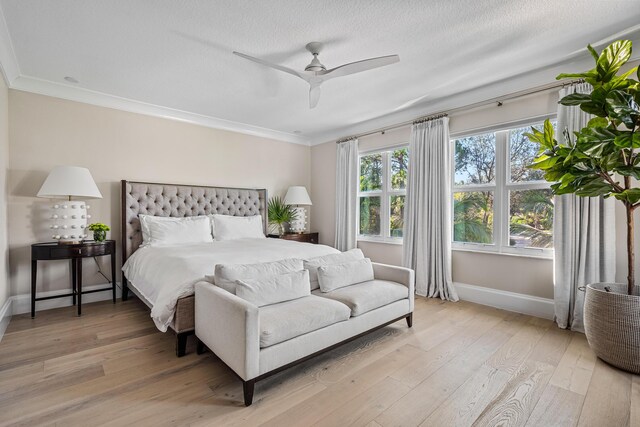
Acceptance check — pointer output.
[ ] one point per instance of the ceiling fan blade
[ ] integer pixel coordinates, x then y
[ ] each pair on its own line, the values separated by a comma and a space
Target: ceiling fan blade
360, 66
314, 95
270, 65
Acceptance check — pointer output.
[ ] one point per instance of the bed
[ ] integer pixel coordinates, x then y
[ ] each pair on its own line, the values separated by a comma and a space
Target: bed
163, 277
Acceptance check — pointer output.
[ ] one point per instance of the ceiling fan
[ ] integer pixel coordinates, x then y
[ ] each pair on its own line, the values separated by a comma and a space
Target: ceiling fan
315, 73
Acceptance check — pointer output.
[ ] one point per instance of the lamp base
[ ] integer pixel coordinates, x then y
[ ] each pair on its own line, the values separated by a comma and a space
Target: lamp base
69, 222
299, 225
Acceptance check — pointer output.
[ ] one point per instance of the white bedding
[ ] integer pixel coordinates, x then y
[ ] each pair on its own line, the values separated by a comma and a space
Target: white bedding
165, 274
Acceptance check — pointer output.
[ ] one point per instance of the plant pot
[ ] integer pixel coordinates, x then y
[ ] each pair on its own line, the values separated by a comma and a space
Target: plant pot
99, 235
612, 324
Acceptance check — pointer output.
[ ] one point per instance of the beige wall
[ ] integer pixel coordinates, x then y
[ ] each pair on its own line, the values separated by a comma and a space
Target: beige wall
116, 145
4, 163
532, 276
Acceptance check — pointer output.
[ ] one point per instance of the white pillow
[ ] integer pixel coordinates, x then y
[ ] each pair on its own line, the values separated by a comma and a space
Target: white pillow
332, 277
163, 231
272, 290
312, 264
227, 227
225, 275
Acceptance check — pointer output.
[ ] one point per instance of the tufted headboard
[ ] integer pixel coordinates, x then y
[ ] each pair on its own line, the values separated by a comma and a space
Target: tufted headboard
181, 201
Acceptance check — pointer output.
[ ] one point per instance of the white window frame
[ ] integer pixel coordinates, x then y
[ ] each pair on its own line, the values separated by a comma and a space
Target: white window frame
385, 194
501, 188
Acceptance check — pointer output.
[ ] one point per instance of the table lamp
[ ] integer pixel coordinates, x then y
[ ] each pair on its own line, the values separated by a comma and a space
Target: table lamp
298, 196
69, 218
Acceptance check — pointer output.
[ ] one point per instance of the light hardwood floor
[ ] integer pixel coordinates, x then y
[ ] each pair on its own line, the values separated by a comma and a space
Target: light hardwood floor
460, 365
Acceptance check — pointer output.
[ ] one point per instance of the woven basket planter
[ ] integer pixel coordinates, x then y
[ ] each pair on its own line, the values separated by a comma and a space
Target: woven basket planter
612, 325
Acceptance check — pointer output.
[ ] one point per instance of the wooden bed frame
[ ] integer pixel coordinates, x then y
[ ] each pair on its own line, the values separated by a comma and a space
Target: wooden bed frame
178, 200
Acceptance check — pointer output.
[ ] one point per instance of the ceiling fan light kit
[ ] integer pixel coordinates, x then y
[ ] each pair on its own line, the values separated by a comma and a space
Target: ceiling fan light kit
316, 73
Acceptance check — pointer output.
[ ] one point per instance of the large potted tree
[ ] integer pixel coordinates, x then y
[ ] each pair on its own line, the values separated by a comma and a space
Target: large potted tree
603, 159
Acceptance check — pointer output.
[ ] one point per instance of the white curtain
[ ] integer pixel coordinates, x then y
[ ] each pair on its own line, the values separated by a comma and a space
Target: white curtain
427, 223
583, 236
346, 194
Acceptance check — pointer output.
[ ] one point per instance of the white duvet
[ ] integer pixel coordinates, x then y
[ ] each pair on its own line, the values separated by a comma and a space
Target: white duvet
165, 274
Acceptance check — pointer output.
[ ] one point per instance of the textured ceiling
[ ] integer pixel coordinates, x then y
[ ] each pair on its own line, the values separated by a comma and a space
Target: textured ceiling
178, 54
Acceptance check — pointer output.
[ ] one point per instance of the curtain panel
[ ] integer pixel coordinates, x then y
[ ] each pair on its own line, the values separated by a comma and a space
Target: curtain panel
427, 222
346, 194
583, 233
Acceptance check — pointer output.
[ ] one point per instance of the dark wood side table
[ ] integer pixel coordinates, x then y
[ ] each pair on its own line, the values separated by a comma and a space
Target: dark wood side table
298, 237
75, 253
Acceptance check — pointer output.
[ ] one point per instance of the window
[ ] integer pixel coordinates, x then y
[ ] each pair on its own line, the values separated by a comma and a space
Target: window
499, 204
381, 194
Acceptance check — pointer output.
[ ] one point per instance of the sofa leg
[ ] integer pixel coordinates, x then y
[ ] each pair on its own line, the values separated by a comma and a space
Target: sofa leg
248, 387
181, 344
409, 319
200, 348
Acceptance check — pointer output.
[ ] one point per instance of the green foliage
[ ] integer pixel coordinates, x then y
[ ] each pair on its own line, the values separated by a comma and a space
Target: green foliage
396, 215
370, 216
98, 226
475, 159
531, 217
371, 172
279, 212
399, 168
473, 217
589, 162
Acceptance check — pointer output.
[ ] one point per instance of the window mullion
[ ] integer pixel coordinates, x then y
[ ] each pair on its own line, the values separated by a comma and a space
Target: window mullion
501, 205
384, 203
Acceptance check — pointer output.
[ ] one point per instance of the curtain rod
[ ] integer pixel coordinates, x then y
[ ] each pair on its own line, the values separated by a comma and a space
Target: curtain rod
429, 118
499, 100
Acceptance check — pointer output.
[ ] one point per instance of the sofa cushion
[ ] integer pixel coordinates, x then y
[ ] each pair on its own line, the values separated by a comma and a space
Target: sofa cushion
273, 290
287, 320
312, 264
332, 277
225, 275
367, 296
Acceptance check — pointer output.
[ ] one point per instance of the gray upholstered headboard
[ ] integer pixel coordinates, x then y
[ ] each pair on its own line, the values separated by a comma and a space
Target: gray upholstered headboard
180, 201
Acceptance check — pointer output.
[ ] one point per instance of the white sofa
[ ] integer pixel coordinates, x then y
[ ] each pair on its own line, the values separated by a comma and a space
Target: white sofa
258, 342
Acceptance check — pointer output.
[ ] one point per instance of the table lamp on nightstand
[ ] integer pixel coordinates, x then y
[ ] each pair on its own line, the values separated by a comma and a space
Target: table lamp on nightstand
69, 218
297, 195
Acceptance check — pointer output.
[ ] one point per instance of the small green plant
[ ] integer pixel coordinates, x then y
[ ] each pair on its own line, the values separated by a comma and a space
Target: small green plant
99, 231
98, 226
280, 213
603, 158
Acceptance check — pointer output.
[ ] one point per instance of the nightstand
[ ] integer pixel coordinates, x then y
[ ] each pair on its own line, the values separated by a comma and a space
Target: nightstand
298, 237
74, 253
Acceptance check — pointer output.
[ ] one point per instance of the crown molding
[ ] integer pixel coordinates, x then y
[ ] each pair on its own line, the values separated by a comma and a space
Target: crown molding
8, 62
74, 93
15, 80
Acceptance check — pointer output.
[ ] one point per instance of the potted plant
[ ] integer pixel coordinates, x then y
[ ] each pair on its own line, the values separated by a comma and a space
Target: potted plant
99, 231
280, 213
603, 159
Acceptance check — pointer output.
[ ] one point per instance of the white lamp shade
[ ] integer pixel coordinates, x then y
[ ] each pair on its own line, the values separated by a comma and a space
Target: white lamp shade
297, 195
65, 181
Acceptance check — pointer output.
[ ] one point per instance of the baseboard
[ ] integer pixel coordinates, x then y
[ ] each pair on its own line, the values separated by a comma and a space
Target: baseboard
5, 316
22, 303
511, 301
